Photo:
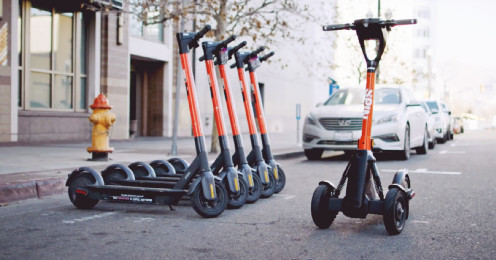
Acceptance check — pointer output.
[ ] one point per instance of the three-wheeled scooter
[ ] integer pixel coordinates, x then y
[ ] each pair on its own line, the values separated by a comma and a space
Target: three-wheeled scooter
364, 193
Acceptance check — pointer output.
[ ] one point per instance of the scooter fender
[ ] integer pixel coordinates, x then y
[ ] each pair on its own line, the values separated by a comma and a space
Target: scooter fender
179, 164
328, 184
232, 179
401, 178
273, 169
121, 168
207, 181
162, 168
84, 170
247, 172
135, 167
263, 172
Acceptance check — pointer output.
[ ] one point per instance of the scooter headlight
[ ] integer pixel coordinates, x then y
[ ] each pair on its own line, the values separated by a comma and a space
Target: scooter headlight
388, 119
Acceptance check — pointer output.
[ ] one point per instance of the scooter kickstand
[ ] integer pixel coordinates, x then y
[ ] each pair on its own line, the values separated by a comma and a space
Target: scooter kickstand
171, 207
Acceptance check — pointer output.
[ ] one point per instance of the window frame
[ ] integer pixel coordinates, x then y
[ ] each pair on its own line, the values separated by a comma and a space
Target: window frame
25, 69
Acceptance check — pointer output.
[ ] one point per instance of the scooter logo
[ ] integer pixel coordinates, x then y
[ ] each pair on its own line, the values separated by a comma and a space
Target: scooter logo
367, 103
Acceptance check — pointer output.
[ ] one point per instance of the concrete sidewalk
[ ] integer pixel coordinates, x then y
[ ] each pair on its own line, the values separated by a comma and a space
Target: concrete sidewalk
38, 170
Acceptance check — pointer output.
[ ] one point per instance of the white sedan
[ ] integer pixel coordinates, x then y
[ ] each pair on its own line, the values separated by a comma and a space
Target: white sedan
399, 123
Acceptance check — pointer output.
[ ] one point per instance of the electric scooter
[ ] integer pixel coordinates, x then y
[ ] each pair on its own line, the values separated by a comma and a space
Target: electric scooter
364, 193
117, 182
237, 187
239, 158
255, 158
253, 62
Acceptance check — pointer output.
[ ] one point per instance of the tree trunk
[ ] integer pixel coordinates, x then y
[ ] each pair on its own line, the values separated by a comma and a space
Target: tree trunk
219, 32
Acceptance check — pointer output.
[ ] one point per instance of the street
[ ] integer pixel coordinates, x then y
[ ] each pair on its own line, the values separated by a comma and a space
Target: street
453, 216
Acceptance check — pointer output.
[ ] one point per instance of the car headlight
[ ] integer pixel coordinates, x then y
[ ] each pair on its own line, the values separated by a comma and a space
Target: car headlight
387, 119
309, 120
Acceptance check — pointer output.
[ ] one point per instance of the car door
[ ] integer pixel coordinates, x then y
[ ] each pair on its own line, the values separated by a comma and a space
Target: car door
416, 118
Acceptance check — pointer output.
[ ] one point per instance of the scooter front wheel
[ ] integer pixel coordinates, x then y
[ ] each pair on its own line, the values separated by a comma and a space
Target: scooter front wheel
236, 201
395, 211
210, 208
255, 192
268, 188
281, 182
321, 215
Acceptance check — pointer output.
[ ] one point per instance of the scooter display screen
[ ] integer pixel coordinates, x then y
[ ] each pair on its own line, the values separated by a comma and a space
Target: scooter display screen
224, 56
254, 62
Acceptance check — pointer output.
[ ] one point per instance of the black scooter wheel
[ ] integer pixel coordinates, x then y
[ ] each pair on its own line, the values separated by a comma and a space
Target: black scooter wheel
321, 215
282, 180
395, 211
236, 201
210, 208
268, 189
255, 192
81, 201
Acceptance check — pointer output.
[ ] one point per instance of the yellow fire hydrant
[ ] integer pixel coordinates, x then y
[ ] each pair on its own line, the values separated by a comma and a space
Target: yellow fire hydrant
102, 119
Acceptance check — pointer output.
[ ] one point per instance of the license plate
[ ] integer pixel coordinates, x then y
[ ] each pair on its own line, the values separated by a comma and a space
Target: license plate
343, 136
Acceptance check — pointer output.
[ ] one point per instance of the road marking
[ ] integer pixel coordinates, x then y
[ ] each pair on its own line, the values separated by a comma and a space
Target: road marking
140, 220
452, 152
420, 221
285, 197
88, 218
422, 170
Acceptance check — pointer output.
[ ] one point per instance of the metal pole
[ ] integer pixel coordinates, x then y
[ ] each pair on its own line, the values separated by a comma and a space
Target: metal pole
178, 95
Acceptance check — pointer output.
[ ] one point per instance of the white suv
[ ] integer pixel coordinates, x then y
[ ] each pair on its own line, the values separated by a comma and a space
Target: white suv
399, 123
442, 121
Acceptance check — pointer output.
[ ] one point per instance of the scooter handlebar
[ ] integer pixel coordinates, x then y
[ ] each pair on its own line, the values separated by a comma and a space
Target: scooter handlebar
228, 40
257, 51
236, 48
267, 56
202, 32
401, 22
335, 27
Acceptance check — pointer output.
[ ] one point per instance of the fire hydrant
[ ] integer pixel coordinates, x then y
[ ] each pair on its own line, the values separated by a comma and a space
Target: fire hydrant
102, 119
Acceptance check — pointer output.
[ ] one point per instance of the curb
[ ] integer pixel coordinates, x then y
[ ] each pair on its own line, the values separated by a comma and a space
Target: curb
23, 190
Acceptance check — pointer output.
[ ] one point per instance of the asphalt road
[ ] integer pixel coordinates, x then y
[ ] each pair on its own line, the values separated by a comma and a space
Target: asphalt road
451, 217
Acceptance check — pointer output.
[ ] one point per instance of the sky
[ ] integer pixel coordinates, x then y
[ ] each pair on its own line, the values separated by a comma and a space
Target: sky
466, 39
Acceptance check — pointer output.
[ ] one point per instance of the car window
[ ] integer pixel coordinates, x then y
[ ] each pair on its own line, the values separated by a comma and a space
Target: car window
433, 106
345, 97
387, 96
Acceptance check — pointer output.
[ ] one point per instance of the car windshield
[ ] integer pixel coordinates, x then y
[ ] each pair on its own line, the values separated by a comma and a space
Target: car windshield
356, 97
346, 97
433, 106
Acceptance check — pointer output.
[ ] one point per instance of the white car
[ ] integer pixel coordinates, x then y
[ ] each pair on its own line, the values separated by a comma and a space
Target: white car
431, 122
442, 121
399, 123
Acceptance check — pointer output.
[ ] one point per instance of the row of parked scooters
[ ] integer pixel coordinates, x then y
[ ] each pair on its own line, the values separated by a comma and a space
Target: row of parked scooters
211, 188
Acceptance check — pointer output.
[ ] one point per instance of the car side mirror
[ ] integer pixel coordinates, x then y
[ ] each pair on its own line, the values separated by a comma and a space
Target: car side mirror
449, 113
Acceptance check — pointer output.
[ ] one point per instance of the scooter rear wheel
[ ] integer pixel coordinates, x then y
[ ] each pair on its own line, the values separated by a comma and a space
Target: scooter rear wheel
80, 201
395, 211
282, 180
321, 215
210, 208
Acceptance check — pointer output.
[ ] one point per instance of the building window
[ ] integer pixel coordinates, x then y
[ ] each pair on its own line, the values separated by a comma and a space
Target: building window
152, 32
52, 58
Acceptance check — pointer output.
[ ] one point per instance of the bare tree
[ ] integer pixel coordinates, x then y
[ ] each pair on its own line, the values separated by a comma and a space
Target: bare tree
263, 21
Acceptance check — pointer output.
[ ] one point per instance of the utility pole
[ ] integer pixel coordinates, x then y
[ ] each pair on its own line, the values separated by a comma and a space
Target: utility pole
178, 93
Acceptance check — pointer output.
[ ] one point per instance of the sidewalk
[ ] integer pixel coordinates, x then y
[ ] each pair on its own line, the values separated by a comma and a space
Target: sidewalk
35, 171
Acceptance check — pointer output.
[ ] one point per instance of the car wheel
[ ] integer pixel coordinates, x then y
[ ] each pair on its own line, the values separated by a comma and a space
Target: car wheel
314, 154
433, 143
405, 153
423, 149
